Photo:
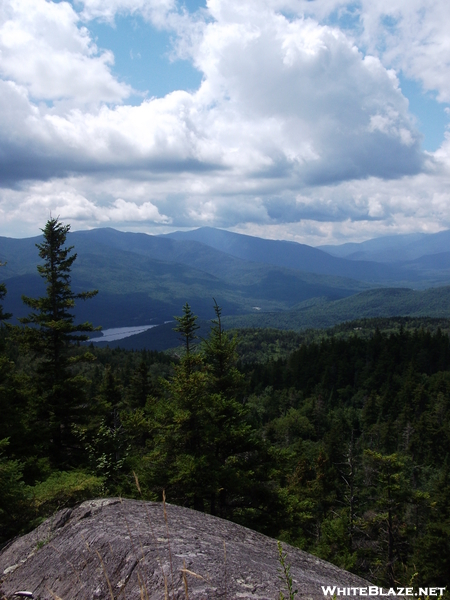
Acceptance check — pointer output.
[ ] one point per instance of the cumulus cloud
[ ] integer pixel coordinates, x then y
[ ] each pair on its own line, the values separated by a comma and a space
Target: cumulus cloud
293, 120
278, 98
43, 48
409, 35
70, 203
156, 11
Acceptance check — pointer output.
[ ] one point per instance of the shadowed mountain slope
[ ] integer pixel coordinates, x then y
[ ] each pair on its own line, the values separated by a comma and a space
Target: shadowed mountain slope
321, 313
112, 548
146, 279
393, 248
291, 255
313, 314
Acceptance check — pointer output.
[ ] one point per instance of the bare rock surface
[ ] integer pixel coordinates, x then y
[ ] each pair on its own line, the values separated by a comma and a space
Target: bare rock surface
126, 549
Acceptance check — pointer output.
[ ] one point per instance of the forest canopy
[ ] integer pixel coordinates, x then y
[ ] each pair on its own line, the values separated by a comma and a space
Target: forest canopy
338, 444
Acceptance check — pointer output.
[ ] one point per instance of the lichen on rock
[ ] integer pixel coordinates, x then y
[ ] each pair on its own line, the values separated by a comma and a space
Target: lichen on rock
124, 549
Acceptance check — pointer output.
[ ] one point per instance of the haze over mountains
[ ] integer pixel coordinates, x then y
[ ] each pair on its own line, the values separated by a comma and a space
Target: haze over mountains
145, 279
402, 257
394, 248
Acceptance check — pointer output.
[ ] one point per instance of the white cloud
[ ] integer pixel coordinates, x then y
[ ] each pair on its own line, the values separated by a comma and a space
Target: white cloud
279, 97
292, 122
412, 36
409, 35
43, 48
71, 205
154, 10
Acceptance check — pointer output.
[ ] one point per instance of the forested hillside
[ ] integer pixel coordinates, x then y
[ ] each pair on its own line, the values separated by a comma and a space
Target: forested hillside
379, 303
144, 279
337, 442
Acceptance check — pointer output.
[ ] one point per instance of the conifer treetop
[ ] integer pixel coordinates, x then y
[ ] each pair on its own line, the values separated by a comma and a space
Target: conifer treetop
53, 311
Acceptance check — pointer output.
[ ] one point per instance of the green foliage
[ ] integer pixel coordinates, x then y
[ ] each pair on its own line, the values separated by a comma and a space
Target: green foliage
50, 338
336, 441
220, 354
65, 488
202, 448
3, 316
390, 493
187, 326
260, 345
361, 423
320, 312
14, 497
52, 314
285, 574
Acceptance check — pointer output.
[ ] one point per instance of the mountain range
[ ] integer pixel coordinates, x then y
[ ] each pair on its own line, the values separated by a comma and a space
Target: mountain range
394, 248
419, 260
144, 279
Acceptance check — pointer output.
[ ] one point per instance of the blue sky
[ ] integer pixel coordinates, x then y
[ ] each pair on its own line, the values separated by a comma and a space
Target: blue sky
432, 118
143, 59
319, 122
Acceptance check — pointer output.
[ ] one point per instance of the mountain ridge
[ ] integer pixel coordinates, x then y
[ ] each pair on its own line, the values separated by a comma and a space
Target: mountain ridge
146, 279
288, 254
168, 272
401, 247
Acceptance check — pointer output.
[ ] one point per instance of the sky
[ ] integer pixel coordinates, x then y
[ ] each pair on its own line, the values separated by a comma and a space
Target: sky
317, 121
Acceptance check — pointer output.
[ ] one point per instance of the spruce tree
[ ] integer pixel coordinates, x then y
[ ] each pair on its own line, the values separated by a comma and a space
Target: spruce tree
187, 326
13, 395
221, 357
51, 338
3, 316
202, 448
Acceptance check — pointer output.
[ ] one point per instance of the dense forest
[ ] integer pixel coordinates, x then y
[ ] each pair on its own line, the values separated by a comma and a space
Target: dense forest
336, 442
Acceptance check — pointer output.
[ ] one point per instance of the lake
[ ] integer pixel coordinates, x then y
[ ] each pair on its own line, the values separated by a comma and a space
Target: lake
118, 333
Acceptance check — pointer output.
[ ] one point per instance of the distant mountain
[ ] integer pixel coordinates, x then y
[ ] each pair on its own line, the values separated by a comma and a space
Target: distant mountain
313, 314
319, 314
146, 279
439, 262
394, 248
296, 256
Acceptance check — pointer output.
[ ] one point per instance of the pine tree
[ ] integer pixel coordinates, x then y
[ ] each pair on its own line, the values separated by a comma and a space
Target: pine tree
51, 338
187, 327
14, 394
390, 493
141, 386
3, 316
202, 448
221, 356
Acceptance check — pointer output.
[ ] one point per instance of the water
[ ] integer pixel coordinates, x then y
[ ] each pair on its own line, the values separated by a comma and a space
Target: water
119, 333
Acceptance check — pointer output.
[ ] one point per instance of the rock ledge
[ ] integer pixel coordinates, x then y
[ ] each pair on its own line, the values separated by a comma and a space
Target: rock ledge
120, 549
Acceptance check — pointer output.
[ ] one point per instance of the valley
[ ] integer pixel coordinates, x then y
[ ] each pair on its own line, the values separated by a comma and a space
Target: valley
144, 280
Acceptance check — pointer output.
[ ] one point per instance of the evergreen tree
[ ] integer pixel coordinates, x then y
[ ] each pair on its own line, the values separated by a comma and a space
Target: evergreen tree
51, 338
432, 551
104, 437
389, 495
221, 356
3, 316
141, 386
202, 448
15, 496
14, 395
186, 328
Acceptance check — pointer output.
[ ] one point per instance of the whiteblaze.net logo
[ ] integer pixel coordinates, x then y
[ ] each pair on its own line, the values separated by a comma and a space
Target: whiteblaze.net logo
373, 590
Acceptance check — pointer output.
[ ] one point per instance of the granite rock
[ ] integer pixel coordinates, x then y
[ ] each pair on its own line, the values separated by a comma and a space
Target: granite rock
128, 549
